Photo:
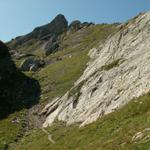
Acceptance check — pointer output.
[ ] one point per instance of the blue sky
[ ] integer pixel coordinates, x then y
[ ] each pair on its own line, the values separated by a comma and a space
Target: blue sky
18, 17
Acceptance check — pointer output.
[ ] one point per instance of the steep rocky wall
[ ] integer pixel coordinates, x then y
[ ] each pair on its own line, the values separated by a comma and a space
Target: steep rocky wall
118, 71
15, 93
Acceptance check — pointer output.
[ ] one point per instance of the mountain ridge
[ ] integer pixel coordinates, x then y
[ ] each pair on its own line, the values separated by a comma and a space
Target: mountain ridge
48, 37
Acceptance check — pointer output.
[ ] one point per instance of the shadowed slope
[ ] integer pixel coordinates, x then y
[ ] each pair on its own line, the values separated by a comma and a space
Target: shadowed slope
17, 91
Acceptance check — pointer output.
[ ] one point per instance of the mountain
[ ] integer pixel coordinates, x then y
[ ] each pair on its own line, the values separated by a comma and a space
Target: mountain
85, 86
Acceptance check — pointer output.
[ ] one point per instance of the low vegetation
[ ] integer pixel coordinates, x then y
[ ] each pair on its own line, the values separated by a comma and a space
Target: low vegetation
114, 131
11, 129
113, 64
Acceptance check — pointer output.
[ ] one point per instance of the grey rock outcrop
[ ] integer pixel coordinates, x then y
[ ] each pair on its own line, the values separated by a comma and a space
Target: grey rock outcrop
138, 136
31, 64
56, 28
52, 45
141, 136
77, 25
118, 72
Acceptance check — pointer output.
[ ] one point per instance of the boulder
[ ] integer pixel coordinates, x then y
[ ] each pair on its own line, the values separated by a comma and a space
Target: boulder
138, 136
31, 64
75, 25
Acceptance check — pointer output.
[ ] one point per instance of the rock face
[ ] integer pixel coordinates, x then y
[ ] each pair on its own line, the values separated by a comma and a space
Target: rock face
118, 71
6, 65
15, 93
52, 45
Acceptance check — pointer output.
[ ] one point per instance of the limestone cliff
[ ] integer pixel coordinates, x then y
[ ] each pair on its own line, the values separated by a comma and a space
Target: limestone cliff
117, 72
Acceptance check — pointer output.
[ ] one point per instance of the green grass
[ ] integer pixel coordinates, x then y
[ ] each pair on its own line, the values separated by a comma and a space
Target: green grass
112, 132
10, 132
99, 33
113, 64
29, 47
59, 77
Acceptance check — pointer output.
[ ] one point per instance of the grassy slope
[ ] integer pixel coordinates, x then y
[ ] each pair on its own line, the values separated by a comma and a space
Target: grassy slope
8, 131
28, 47
111, 132
56, 78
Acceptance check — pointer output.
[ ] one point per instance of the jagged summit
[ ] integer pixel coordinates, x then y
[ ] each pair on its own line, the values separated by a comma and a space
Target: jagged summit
61, 18
55, 27
48, 37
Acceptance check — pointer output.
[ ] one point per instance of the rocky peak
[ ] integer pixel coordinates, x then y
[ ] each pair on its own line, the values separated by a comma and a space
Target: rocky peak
60, 19
56, 27
53, 29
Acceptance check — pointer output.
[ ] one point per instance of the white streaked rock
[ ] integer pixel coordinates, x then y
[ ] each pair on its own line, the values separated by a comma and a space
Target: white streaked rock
105, 91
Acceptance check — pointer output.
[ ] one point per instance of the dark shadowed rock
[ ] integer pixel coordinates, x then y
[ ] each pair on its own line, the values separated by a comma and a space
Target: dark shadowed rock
3, 50
31, 64
51, 47
77, 25
15, 93
58, 25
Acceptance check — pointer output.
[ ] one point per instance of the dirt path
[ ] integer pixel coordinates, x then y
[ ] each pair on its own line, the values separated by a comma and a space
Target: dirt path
35, 121
49, 135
